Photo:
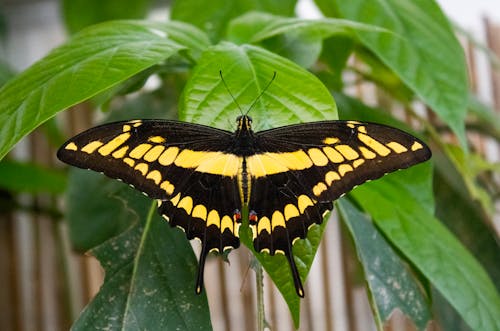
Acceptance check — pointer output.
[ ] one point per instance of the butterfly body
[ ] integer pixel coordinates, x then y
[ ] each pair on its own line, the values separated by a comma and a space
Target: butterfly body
202, 177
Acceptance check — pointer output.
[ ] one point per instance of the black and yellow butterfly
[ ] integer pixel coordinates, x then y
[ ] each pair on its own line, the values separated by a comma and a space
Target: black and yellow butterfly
202, 177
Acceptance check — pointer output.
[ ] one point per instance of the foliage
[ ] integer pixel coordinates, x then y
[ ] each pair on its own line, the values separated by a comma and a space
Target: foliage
407, 49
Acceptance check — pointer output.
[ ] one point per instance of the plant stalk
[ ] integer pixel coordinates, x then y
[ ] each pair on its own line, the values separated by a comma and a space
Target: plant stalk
259, 275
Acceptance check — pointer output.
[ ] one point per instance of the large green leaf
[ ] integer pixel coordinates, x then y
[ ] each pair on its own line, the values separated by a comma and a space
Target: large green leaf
89, 195
391, 284
423, 51
466, 221
93, 60
29, 177
150, 269
213, 16
398, 207
79, 14
298, 39
254, 27
294, 96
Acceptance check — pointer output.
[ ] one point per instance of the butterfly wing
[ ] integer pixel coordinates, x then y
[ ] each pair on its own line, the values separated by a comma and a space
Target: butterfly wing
300, 169
179, 164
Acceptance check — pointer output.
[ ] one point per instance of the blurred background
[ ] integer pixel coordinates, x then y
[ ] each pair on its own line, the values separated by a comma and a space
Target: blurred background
45, 284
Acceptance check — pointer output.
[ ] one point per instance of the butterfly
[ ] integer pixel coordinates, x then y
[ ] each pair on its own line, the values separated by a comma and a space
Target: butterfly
202, 177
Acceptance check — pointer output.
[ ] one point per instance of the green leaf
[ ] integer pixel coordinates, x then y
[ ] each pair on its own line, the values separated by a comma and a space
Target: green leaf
487, 120
150, 272
391, 284
93, 60
470, 165
93, 217
208, 15
31, 178
6, 73
294, 96
423, 51
467, 221
297, 39
255, 27
79, 14
398, 208
335, 54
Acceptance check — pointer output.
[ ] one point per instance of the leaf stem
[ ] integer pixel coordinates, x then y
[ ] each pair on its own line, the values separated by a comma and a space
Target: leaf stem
259, 276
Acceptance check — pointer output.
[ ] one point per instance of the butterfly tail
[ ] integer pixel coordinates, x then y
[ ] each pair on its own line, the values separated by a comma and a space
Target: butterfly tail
295, 274
201, 268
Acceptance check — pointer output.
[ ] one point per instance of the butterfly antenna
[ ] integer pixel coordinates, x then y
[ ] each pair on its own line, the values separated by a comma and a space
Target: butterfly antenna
227, 88
261, 93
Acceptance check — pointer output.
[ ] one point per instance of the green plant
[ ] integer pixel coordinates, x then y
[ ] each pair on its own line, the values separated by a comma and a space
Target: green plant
407, 49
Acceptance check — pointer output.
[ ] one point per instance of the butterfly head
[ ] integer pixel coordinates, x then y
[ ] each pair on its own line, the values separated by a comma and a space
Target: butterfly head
244, 123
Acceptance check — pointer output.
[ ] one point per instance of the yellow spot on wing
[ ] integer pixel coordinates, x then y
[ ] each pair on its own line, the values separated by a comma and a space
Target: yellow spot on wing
348, 152
277, 219
264, 225
330, 177
200, 211
317, 157
261, 165
155, 175
71, 146
416, 146
168, 187
374, 144
344, 168
175, 200
397, 147
92, 146
129, 161
221, 164
186, 203
143, 168
154, 153
291, 211
113, 144
362, 129
139, 151
367, 154
333, 155
120, 153
226, 223
135, 123
168, 157
297, 160
358, 162
192, 159
254, 231
213, 218
331, 140
126, 128
157, 139
303, 202
319, 188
